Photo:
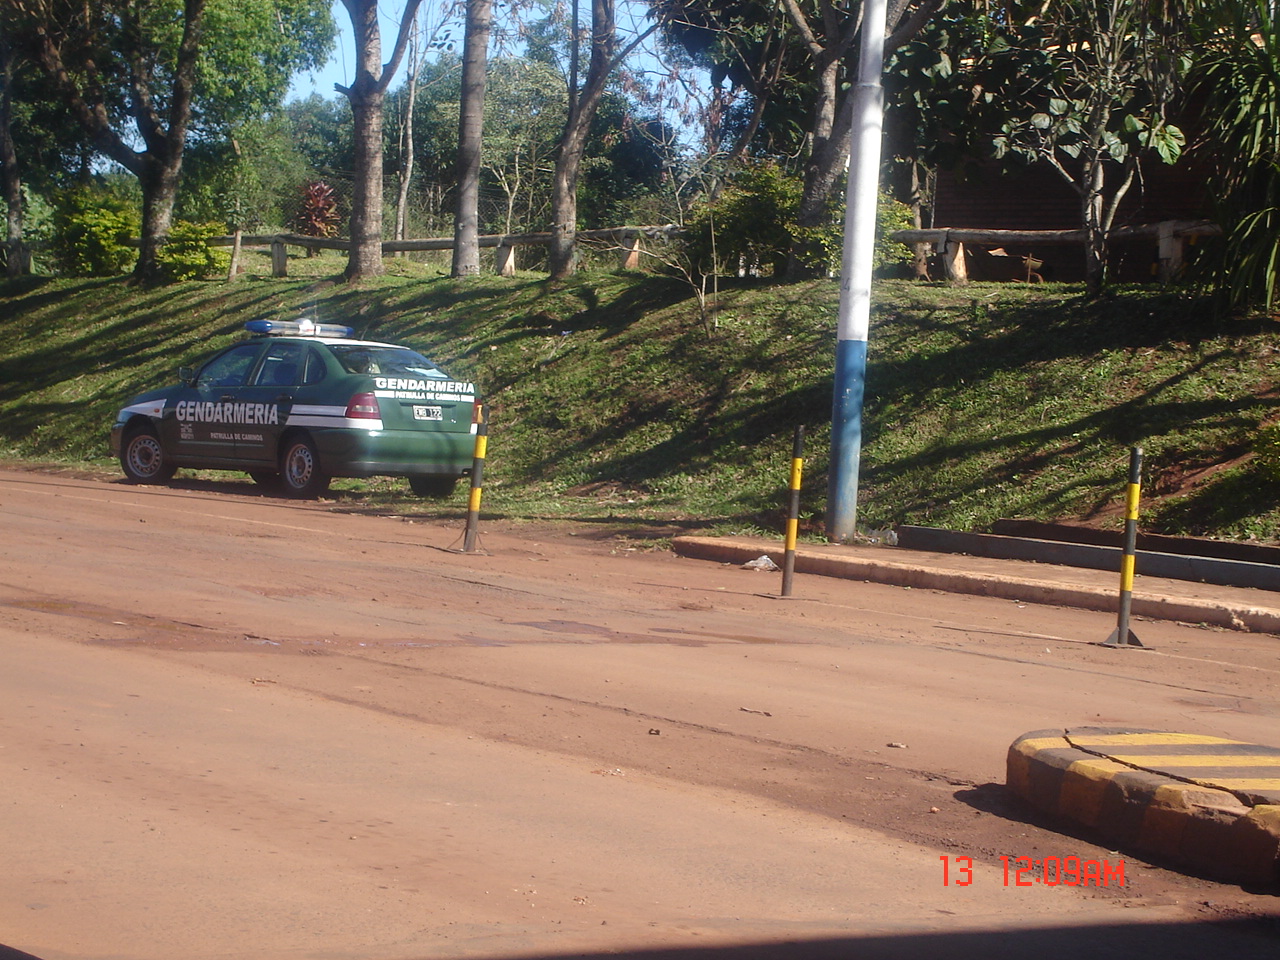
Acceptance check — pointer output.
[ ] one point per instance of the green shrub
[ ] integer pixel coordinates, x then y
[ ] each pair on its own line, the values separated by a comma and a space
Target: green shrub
747, 226
891, 215
186, 255
89, 229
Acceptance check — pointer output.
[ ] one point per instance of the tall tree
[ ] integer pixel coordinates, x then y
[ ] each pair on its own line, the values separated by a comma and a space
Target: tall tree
526, 100
16, 262
475, 59
94, 54
367, 94
1098, 103
815, 73
138, 77
583, 102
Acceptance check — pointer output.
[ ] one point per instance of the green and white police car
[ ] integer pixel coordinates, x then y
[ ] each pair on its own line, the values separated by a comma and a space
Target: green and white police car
300, 403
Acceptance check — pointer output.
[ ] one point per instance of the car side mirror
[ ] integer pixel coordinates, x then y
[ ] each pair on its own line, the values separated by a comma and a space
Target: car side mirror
186, 374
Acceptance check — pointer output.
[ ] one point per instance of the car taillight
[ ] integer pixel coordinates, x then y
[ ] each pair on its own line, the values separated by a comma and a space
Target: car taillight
363, 406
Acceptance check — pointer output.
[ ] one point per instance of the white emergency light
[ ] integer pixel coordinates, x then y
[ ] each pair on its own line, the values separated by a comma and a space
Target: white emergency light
305, 327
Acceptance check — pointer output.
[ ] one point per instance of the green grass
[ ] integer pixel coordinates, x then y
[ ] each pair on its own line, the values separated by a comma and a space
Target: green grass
609, 398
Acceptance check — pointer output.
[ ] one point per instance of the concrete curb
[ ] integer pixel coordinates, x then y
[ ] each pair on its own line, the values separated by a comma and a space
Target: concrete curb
1193, 824
905, 573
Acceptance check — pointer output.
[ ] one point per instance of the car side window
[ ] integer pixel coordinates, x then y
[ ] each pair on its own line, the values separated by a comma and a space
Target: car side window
315, 369
281, 366
230, 369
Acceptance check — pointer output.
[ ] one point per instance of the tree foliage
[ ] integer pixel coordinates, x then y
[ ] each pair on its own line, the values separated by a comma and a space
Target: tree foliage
1238, 79
139, 78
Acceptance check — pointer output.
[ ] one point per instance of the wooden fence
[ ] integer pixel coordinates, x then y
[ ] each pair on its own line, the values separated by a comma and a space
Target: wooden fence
626, 240
1171, 238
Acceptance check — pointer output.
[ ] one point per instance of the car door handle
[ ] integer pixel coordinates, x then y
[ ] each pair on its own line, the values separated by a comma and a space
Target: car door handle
284, 398
226, 398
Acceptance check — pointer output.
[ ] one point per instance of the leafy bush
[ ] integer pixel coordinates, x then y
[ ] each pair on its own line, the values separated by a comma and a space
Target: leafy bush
187, 255
891, 215
90, 226
753, 227
746, 228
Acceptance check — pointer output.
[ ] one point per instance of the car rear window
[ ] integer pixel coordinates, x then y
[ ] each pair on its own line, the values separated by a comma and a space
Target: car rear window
386, 361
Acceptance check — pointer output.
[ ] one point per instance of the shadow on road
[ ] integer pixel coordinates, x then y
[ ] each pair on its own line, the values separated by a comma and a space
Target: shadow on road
1252, 939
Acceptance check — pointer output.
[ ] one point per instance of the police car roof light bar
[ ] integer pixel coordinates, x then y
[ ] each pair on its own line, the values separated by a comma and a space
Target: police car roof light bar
299, 328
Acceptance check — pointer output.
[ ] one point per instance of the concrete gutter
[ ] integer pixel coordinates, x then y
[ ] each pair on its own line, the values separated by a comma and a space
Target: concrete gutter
1148, 563
1023, 582
1202, 802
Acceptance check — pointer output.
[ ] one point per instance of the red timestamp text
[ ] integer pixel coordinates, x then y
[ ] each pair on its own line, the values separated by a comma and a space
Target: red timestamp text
1046, 871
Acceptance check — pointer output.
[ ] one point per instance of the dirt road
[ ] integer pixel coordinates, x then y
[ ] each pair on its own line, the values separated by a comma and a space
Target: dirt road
235, 726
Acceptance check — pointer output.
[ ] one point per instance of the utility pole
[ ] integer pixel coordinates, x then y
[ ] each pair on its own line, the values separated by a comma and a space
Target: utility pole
854, 318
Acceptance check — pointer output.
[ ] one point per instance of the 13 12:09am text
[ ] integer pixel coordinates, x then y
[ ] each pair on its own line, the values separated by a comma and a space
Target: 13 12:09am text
1046, 871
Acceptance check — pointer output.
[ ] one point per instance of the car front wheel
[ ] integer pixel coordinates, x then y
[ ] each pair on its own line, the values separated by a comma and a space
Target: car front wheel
300, 473
142, 457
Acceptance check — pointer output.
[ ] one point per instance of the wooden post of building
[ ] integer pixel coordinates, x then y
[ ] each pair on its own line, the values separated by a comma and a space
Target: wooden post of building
631, 250
279, 258
1169, 251
953, 260
504, 259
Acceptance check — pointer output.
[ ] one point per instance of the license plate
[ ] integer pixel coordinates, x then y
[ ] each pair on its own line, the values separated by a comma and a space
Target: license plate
427, 413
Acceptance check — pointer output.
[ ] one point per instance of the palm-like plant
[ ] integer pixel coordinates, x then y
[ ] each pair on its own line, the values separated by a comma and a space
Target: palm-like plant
1239, 77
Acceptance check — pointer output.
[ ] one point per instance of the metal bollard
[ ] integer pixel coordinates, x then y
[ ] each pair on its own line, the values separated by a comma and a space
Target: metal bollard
1122, 636
793, 512
477, 480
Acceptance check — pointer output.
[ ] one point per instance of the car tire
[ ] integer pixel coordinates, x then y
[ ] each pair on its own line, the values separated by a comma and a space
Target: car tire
300, 473
437, 488
142, 457
267, 479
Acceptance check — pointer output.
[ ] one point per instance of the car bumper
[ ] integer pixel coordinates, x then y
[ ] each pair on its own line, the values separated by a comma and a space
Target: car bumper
395, 453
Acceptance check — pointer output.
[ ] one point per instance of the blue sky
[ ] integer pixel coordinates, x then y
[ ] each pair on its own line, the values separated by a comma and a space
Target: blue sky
338, 69
341, 64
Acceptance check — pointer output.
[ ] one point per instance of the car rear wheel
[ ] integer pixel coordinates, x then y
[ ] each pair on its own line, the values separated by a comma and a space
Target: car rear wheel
142, 457
300, 473
435, 487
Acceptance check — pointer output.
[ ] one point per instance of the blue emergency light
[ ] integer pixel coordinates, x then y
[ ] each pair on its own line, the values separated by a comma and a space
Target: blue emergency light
299, 328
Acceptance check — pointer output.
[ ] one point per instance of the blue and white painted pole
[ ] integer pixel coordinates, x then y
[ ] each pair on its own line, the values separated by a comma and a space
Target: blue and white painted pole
854, 318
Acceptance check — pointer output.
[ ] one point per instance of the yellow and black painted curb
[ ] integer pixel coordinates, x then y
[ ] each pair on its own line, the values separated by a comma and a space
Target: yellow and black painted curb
1207, 803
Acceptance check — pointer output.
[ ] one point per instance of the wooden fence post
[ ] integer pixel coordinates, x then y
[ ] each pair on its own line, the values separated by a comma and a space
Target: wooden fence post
953, 261
504, 260
631, 250
279, 258
1168, 251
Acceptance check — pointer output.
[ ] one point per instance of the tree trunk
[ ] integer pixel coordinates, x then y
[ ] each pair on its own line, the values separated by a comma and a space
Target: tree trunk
159, 191
582, 110
365, 256
1095, 245
406, 166
16, 260
475, 55
367, 94
564, 201
829, 149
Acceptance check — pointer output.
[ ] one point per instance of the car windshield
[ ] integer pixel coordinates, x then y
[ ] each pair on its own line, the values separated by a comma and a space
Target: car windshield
385, 361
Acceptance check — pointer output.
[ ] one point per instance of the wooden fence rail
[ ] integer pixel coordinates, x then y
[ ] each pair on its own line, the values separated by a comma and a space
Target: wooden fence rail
627, 240
1171, 237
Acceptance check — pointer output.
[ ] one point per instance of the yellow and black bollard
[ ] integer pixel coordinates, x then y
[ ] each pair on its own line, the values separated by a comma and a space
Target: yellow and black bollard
1123, 636
477, 479
793, 512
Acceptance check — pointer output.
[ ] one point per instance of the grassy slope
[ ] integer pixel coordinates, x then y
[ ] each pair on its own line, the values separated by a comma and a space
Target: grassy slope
609, 397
